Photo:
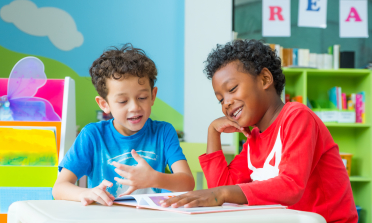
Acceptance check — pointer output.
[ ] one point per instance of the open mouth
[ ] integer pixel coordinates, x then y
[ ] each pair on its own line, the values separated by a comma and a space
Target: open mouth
237, 112
135, 119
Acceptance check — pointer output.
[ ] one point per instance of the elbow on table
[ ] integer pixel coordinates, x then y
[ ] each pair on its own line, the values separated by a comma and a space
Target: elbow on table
55, 193
293, 198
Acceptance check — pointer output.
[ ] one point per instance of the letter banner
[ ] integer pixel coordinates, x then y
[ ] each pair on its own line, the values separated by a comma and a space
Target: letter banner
312, 13
353, 19
276, 18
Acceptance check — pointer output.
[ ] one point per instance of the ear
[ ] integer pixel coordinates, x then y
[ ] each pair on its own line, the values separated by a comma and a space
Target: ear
266, 78
153, 95
103, 104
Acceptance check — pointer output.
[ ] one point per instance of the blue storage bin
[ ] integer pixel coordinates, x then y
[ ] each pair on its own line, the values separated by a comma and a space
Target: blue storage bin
358, 210
8, 195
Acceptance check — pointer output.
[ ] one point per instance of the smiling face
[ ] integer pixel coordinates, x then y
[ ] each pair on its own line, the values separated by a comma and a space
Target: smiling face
241, 94
129, 100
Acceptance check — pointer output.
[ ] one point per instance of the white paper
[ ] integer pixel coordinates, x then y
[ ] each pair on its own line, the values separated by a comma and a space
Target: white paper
276, 18
312, 13
353, 19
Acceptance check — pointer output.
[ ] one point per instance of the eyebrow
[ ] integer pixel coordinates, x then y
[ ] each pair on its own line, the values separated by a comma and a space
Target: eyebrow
224, 83
121, 94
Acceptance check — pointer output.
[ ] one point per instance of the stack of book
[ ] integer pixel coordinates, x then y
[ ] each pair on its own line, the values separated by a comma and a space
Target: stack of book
302, 58
352, 102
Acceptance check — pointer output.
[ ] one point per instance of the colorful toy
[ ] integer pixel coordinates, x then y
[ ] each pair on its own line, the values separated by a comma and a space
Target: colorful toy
26, 77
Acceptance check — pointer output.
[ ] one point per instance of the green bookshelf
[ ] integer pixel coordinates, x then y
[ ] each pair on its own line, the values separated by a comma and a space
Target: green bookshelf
352, 138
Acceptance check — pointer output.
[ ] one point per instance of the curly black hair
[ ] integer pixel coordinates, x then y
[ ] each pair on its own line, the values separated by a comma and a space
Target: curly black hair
117, 63
253, 54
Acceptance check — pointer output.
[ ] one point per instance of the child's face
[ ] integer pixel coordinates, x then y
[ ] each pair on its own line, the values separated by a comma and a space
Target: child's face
129, 100
240, 94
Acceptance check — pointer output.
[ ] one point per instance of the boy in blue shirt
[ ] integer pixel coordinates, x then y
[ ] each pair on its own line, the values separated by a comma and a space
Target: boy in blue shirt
129, 153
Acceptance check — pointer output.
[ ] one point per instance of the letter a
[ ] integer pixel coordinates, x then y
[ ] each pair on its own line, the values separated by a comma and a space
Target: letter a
274, 12
353, 14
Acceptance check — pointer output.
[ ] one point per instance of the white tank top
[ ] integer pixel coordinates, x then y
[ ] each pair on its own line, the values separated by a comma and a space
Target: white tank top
268, 171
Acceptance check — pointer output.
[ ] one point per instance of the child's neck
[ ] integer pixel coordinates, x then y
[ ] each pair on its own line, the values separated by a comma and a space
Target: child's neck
271, 114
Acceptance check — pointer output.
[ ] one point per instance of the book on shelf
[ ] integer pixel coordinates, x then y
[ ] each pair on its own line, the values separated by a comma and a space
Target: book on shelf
295, 57
313, 60
332, 95
347, 59
302, 58
344, 101
287, 57
360, 107
152, 201
335, 52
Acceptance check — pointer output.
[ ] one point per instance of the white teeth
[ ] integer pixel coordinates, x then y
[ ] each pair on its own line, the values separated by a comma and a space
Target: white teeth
237, 111
135, 118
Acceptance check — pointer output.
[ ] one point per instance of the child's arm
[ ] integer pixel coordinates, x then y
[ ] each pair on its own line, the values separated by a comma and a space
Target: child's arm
299, 145
144, 176
207, 198
217, 127
65, 189
213, 163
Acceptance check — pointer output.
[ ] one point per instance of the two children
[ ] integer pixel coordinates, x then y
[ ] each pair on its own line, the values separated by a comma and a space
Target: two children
289, 158
129, 153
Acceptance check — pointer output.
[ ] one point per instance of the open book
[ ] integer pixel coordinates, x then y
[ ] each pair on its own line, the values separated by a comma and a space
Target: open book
151, 201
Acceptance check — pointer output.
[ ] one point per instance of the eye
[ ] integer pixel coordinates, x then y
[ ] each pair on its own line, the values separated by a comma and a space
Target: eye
143, 98
232, 89
122, 102
220, 101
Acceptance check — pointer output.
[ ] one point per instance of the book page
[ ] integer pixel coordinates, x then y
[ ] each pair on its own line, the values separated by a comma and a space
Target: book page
224, 208
152, 200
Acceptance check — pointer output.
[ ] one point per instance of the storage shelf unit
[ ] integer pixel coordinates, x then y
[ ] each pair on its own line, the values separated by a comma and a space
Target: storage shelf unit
355, 138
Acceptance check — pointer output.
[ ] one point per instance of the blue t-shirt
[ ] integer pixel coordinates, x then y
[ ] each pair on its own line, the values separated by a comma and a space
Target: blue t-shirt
99, 144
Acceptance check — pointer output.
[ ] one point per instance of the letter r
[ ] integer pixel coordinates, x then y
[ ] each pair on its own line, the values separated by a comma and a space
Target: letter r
275, 10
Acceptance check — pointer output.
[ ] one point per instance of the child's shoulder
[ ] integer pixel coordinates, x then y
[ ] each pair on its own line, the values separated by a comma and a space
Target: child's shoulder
296, 107
298, 112
160, 127
96, 127
157, 125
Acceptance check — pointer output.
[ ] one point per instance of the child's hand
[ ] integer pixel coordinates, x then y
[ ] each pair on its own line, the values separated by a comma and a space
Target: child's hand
225, 125
98, 194
137, 177
199, 198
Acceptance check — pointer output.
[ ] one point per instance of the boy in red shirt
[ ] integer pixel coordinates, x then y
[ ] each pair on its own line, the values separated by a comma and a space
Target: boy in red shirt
289, 158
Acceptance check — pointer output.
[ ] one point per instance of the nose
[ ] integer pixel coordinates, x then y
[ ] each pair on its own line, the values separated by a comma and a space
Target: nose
227, 102
134, 106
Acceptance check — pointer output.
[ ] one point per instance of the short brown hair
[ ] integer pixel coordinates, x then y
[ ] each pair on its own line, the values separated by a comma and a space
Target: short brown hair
117, 63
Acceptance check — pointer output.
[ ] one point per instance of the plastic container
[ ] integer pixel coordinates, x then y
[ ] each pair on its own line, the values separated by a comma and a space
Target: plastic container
325, 110
358, 210
328, 112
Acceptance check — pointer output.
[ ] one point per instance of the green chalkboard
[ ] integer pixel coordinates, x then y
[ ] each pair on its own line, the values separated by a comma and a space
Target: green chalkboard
248, 24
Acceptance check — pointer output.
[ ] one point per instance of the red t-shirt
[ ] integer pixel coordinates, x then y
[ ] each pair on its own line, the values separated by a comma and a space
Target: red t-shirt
312, 176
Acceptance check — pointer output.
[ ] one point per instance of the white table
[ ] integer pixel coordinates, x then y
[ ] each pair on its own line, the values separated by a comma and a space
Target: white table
74, 212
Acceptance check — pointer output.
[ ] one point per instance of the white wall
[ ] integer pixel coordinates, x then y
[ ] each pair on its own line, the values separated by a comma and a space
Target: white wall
207, 22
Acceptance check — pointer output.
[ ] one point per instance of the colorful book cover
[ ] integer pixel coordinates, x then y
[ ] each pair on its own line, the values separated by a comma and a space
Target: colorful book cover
350, 101
344, 101
359, 108
339, 97
332, 94
295, 57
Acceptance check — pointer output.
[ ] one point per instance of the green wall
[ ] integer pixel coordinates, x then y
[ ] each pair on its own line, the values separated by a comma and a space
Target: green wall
86, 106
248, 24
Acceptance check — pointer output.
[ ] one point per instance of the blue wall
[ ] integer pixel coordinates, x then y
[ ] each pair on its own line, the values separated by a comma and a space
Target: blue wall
155, 26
